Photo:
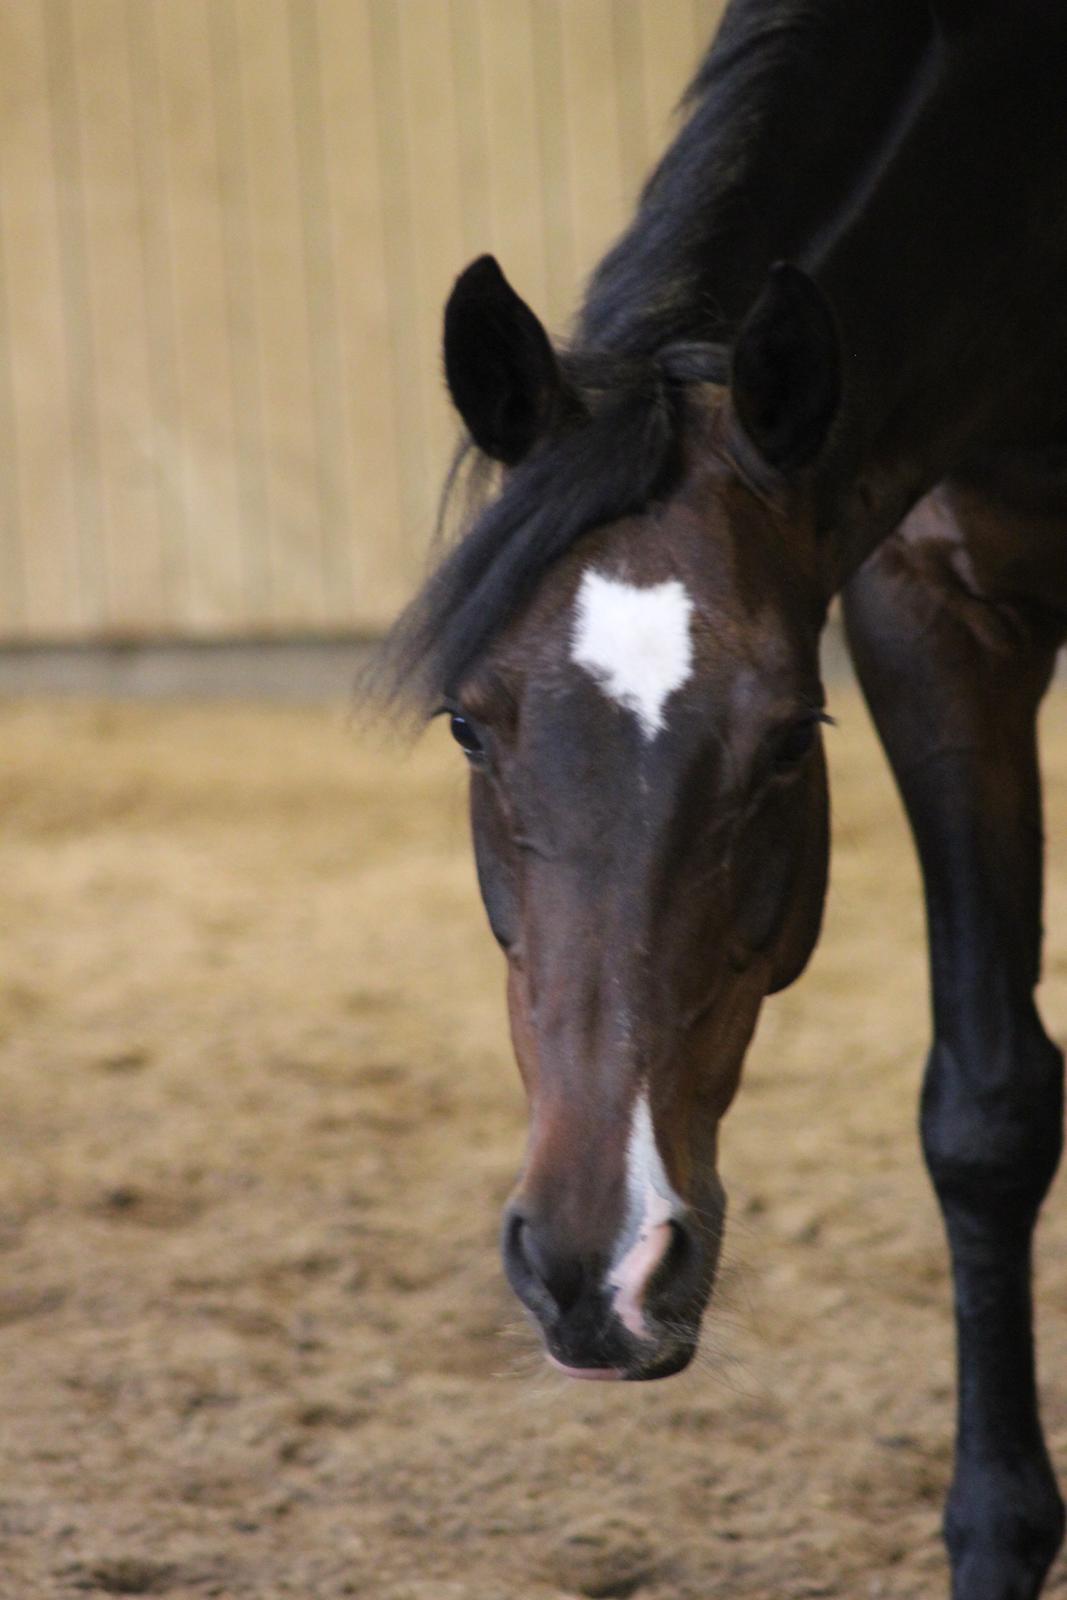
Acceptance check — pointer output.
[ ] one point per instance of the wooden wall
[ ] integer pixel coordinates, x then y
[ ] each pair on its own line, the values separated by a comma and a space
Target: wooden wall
226, 231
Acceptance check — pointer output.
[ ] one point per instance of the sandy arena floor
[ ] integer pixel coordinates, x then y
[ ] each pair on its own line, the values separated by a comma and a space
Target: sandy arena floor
258, 1119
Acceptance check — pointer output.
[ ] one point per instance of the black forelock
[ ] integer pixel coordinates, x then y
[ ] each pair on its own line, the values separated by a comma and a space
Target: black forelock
621, 455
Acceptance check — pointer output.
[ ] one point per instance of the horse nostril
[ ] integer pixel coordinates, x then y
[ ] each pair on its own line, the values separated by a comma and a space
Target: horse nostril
682, 1270
530, 1259
518, 1268
679, 1253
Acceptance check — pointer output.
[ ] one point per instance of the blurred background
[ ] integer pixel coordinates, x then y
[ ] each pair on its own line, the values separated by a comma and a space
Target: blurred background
258, 1111
227, 229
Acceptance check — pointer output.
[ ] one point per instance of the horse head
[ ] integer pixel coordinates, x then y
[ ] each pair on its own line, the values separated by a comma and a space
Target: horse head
626, 644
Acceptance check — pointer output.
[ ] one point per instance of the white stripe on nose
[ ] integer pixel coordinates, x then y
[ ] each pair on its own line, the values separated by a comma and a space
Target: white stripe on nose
646, 1234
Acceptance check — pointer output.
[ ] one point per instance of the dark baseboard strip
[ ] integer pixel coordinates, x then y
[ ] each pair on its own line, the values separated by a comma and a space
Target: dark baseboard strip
295, 670
304, 670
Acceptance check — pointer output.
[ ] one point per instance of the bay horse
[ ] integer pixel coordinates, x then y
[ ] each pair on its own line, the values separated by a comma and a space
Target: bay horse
827, 357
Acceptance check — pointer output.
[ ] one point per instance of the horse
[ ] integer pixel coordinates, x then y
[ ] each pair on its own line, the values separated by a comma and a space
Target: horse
825, 358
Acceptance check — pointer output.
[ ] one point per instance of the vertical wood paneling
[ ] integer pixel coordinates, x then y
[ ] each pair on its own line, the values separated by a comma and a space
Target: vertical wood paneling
320, 274
94, 577
227, 229
114, 309
707, 14
467, 64
13, 593
37, 352
514, 160
372, 381
430, 111
398, 223
227, 63
635, 152
207, 462
670, 57
554, 149
161, 426
591, 90
291, 537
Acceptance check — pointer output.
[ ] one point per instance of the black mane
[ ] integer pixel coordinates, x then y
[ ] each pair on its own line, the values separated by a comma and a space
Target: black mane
653, 284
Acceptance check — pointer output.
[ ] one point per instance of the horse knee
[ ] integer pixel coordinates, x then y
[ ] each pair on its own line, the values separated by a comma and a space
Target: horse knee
992, 1135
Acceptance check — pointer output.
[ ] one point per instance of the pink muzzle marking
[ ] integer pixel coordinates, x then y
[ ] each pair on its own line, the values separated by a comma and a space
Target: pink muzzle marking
632, 1276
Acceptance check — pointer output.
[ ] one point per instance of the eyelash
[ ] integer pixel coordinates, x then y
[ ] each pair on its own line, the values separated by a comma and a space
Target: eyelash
784, 759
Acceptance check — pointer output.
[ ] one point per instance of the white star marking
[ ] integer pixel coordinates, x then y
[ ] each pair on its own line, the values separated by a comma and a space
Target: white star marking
634, 642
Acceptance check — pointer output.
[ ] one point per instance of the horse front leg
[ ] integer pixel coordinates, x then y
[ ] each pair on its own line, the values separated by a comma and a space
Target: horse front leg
954, 687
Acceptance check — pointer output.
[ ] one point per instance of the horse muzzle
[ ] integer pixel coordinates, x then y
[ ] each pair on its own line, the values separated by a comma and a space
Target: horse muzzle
632, 1313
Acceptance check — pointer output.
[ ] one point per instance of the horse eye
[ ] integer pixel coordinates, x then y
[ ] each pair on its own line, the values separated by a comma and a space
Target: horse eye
794, 744
465, 735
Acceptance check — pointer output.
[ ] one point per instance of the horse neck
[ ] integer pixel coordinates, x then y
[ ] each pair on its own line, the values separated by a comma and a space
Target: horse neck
786, 107
942, 276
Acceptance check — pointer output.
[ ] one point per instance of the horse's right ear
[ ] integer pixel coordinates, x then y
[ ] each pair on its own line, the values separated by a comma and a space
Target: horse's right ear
786, 378
501, 370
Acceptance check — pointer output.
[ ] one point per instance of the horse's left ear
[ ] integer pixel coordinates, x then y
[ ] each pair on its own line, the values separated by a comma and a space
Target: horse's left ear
786, 376
501, 369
